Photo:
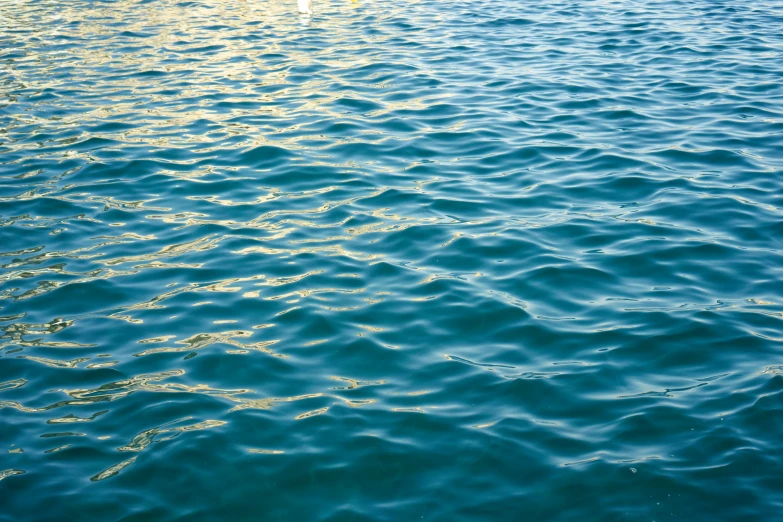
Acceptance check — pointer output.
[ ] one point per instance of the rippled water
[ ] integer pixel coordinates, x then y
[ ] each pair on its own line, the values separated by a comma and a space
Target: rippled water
405, 260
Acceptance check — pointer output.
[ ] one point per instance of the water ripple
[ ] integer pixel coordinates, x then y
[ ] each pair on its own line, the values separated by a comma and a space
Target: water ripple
394, 261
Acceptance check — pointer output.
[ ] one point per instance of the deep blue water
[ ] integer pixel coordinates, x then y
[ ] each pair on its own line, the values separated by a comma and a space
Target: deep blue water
406, 260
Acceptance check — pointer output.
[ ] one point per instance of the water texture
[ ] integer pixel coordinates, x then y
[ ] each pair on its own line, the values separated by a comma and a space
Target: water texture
403, 260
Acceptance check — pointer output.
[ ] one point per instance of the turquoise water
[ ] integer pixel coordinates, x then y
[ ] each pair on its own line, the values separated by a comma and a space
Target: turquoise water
445, 261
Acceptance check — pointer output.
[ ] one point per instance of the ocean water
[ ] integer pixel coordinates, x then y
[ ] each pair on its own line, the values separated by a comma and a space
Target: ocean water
403, 260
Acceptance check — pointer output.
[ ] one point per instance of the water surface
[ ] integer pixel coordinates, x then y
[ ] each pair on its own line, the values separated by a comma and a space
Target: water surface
405, 260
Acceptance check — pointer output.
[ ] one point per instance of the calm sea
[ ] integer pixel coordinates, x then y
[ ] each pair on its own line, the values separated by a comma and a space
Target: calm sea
502, 260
